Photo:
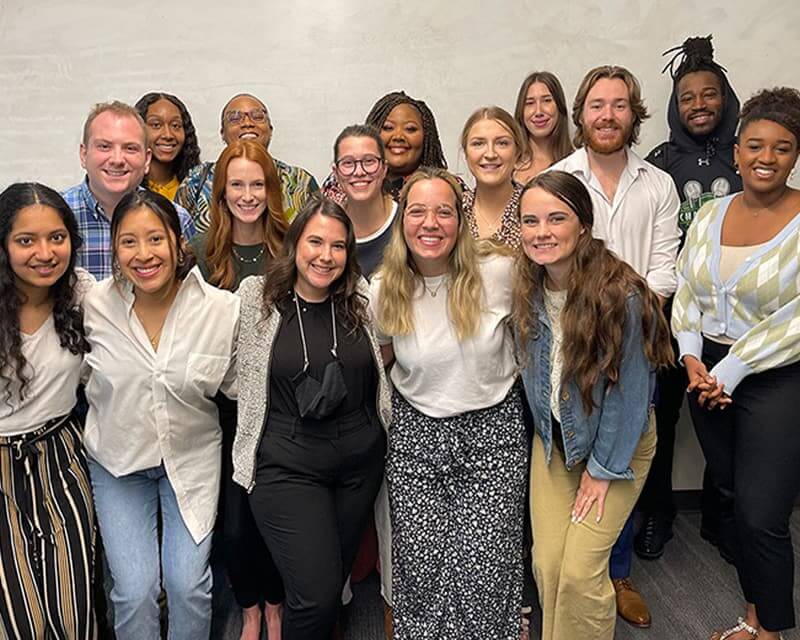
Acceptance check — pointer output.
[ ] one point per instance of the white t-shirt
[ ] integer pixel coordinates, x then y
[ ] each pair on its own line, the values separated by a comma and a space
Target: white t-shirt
440, 376
53, 375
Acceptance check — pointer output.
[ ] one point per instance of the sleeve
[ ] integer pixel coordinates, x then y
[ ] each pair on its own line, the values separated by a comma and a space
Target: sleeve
187, 224
229, 384
625, 407
374, 296
773, 342
666, 240
184, 196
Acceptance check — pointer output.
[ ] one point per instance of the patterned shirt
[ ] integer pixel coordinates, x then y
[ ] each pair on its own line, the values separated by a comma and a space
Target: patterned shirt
95, 229
508, 232
758, 306
297, 186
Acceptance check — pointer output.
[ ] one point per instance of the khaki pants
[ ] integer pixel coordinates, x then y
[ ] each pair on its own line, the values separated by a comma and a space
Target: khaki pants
571, 560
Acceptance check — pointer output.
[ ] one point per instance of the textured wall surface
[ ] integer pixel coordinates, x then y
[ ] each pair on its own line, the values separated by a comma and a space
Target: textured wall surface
320, 64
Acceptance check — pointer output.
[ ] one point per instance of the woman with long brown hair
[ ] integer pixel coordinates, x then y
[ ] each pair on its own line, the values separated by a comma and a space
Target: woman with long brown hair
541, 113
592, 335
314, 405
247, 228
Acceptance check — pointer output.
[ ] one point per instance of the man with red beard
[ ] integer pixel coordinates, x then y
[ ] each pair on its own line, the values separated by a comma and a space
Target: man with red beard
636, 214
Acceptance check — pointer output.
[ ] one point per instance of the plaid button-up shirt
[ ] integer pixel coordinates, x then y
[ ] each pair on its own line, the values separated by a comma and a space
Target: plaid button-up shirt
95, 229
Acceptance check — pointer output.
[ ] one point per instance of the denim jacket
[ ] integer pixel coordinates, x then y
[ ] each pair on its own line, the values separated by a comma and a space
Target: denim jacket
607, 438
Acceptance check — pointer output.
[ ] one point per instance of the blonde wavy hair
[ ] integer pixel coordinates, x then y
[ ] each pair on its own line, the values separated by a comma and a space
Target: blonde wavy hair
400, 277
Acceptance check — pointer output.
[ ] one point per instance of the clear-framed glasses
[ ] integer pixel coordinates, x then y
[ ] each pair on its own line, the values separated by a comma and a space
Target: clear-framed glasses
369, 165
237, 117
418, 213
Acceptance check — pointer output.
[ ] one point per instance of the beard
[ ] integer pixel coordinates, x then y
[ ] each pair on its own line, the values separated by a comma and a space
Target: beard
605, 145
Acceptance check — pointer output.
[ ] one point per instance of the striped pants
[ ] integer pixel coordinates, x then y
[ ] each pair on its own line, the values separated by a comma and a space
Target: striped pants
46, 535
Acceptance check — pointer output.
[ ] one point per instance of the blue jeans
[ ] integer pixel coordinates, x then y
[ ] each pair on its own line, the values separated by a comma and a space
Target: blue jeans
127, 512
622, 552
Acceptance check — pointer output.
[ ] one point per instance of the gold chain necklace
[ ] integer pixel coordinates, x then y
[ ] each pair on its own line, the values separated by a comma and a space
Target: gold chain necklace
435, 290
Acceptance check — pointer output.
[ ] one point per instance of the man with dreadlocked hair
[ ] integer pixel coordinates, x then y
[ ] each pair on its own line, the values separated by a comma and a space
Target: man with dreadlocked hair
411, 138
702, 117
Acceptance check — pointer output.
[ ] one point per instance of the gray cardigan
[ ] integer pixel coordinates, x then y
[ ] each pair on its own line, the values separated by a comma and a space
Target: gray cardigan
256, 337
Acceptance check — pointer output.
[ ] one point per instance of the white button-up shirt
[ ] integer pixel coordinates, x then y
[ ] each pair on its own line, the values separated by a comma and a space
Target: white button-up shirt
641, 224
147, 407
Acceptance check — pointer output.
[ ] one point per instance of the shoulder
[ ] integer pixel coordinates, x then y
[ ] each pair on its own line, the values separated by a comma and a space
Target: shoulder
198, 171
294, 176
198, 243
98, 292
250, 290
658, 156
84, 281
571, 163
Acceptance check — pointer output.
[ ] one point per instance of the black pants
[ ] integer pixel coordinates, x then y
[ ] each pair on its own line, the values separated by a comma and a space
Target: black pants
752, 449
656, 498
315, 485
252, 573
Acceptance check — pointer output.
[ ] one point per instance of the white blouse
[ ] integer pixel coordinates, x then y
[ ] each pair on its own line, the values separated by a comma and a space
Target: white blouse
53, 375
148, 407
441, 376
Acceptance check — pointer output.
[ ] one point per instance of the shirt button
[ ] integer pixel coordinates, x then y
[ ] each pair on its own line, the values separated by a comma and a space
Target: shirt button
722, 326
565, 395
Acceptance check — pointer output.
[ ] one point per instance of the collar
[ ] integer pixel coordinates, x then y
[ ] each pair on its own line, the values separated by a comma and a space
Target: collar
91, 202
634, 164
193, 281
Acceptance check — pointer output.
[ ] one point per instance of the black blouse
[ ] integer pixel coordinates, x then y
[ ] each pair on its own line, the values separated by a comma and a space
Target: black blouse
355, 354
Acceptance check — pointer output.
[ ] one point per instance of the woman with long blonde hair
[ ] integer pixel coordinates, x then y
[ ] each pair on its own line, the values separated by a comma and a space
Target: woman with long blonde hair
441, 307
247, 229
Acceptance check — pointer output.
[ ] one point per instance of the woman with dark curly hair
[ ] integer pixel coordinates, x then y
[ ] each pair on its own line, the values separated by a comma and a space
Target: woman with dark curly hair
46, 512
313, 409
592, 335
172, 139
735, 317
410, 137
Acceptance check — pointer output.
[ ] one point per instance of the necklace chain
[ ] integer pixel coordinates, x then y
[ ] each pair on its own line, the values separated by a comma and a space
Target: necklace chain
433, 290
253, 260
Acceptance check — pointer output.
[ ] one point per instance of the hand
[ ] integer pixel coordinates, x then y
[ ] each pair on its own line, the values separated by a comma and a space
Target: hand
699, 377
589, 492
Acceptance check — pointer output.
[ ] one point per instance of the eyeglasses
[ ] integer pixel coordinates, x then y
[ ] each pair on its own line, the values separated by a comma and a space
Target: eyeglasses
237, 117
417, 213
369, 165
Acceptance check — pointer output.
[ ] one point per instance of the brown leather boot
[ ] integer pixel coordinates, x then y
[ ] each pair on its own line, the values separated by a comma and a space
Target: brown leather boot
630, 605
387, 621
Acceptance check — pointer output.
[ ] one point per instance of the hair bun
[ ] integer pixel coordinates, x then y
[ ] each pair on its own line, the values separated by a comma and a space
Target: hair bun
699, 47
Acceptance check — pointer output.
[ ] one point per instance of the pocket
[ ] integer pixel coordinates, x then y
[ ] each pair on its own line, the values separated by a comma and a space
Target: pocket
205, 372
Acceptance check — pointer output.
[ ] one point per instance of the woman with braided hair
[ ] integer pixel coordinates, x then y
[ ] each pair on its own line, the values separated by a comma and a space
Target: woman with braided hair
735, 317
409, 133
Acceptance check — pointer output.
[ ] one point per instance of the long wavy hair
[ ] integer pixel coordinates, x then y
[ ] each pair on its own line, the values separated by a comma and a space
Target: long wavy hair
599, 284
189, 155
401, 277
562, 145
67, 315
281, 274
219, 246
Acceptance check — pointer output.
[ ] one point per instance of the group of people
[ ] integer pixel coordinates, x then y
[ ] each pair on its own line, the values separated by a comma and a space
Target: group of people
484, 377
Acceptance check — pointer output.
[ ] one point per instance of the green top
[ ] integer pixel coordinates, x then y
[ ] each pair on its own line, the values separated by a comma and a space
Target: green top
248, 260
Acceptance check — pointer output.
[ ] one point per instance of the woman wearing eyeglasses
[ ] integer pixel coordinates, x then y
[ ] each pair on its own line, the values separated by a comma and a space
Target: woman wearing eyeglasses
360, 169
244, 117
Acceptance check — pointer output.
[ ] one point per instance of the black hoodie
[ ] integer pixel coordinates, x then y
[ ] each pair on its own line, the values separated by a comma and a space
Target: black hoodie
702, 168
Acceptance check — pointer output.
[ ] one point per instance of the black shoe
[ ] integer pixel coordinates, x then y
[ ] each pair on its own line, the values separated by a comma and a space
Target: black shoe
652, 537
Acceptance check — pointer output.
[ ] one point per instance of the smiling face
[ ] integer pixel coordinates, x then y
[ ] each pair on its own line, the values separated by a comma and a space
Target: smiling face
38, 246
320, 257
491, 153
765, 155
361, 185
550, 231
245, 118
115, 157
700, 102
165, 134
540, 112
430, 225
245, 191
145, 251
403, 135
607, 117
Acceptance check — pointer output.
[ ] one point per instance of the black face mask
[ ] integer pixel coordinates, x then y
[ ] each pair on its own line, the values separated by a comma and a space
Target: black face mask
317, 399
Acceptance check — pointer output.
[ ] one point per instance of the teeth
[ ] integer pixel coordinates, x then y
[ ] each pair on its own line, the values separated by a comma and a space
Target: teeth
146, 271
248, 136
549, 245
764, 173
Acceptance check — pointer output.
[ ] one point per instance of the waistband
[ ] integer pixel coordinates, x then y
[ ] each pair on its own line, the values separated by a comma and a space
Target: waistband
21, 443
293, 425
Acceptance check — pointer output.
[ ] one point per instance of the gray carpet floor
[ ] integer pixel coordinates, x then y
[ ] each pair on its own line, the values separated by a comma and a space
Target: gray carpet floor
690, 591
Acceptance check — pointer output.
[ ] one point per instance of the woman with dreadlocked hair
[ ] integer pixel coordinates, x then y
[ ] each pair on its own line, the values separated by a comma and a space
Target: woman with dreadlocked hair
409, 133
172, 139
46, 511
735, 317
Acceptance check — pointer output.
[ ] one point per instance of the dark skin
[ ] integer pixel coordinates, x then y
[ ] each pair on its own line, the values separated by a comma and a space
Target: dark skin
765, 155
700, 102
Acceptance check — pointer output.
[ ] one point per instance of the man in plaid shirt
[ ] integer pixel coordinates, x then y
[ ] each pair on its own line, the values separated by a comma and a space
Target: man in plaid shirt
115, 155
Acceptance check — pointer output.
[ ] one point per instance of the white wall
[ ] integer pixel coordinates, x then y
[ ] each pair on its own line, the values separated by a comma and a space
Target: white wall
320, 64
